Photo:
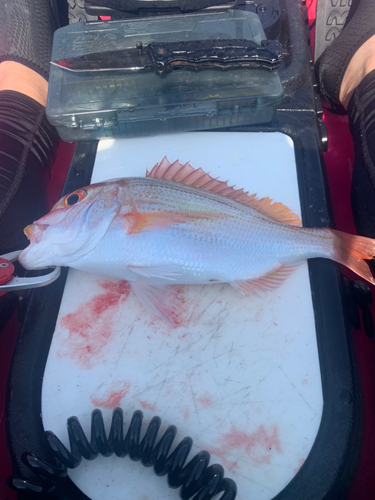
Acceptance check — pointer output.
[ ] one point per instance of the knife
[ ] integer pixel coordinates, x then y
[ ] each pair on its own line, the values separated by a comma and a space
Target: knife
193, 55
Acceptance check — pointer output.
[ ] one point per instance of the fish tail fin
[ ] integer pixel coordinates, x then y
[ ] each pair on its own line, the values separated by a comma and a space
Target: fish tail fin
352, 251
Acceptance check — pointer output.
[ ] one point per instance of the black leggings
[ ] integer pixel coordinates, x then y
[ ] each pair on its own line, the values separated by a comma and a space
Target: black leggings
28, 145
361, 113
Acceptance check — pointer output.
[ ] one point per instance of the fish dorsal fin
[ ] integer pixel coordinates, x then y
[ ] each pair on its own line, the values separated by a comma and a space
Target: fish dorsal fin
189, 176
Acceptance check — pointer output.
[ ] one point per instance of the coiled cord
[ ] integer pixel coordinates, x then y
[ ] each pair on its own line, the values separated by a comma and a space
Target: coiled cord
197, 479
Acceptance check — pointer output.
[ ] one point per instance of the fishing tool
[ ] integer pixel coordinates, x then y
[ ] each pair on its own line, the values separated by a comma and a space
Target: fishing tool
11, 283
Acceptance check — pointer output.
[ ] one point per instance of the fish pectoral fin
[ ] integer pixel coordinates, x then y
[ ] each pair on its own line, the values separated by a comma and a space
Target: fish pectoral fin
150, 221
166, 272
265, 283
158, 300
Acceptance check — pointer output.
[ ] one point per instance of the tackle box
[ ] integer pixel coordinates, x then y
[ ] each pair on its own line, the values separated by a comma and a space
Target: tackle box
116, 102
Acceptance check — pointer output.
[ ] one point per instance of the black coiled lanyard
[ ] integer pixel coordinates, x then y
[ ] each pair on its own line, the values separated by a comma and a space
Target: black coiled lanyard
197, 479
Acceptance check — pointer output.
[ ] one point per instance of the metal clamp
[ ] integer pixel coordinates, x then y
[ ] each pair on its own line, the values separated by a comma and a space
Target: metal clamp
17, 283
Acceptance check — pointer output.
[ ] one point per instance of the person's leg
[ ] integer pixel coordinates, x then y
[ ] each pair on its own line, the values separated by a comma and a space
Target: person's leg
26, 33
361, 64
354, 44
361, 113
19, 78
28, 143
346, 76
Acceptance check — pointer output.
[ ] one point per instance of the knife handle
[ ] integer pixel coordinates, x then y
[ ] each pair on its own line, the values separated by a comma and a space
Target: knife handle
214, 53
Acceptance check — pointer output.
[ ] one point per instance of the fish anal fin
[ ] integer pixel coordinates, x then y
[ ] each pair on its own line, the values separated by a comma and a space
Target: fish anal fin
265, 283
136, 222
160, 301
197, 178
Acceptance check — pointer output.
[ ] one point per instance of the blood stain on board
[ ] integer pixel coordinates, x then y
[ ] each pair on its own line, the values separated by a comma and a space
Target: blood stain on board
301, 461
258, 314
112, 399
147, 406
186, 414
222, 455
263, 459
305, 381
182, 318
258, 446
90, 326
206, 401
237, 440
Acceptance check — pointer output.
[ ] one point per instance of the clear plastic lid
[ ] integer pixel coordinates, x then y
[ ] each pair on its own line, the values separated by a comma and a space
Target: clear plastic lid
75, 98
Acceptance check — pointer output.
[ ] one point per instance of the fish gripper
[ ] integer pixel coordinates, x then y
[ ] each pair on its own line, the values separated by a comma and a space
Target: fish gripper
197, 479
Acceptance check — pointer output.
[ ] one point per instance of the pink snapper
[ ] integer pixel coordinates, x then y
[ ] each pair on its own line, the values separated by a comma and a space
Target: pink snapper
179, 226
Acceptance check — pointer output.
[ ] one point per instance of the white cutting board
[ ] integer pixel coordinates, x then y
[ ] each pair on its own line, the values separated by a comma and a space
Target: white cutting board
240, 375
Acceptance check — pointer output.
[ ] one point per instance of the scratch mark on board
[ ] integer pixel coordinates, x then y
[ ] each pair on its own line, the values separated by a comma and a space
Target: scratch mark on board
282, 371
195, 403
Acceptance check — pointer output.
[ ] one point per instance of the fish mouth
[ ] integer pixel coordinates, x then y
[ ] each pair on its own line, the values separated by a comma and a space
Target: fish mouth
34, 232
28, 231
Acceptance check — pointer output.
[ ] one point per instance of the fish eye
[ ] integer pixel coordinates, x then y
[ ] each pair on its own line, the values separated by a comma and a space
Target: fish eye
75, 197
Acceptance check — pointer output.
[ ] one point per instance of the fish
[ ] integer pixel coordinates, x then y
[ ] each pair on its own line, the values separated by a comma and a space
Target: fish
180, 226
